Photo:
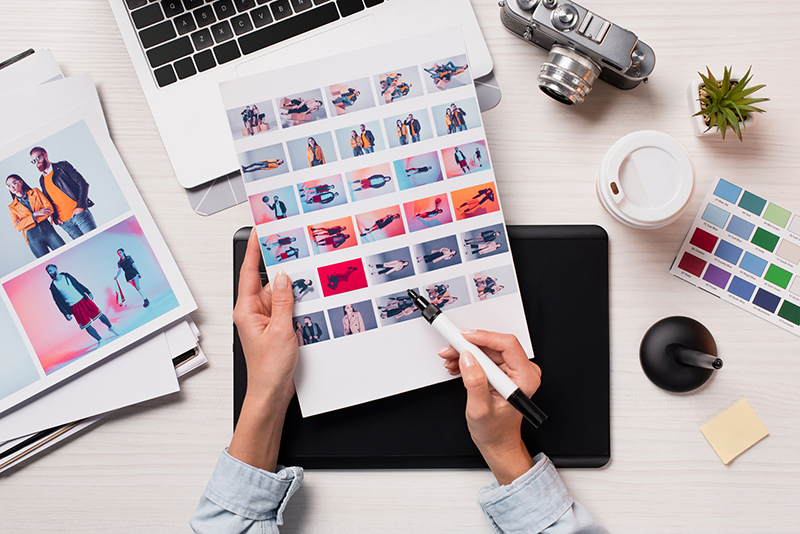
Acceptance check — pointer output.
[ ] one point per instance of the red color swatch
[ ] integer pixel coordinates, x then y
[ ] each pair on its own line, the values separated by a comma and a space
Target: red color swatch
692, 264
703, 240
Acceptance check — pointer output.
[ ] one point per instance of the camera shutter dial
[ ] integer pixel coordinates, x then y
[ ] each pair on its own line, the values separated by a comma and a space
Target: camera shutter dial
565, 17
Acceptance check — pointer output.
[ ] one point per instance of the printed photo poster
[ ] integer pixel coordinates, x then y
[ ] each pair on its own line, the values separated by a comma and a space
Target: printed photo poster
85, 272
380, 209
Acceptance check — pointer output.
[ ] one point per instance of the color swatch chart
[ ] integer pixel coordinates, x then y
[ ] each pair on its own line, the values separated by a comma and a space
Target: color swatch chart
746, 250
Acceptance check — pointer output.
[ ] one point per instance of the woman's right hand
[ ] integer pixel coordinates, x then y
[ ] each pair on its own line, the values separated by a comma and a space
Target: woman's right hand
44, 212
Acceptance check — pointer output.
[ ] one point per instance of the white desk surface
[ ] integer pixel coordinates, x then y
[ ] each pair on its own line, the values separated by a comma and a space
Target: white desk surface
144, 469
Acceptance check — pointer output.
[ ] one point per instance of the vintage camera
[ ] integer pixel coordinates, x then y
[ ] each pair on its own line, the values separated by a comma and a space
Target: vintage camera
582, 45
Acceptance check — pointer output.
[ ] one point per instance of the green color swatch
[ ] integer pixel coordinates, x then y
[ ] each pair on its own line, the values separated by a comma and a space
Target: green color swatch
777, 215
790, 312
764, 239
779, 277
752, 203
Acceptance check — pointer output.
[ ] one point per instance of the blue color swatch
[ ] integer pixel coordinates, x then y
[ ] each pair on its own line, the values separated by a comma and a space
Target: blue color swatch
768, 301
727, 191
728, 252
753, 264
741, 288
715, 215
741, 228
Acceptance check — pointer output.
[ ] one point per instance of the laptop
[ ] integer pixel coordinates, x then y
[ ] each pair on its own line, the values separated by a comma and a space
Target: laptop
182, 49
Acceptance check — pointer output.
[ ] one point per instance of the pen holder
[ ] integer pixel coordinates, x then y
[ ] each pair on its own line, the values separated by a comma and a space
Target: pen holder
678, 354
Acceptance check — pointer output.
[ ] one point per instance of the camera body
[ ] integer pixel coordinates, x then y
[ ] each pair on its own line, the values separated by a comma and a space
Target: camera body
583, 47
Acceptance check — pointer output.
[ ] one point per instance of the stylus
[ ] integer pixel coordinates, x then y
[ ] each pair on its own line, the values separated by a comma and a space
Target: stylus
497, 378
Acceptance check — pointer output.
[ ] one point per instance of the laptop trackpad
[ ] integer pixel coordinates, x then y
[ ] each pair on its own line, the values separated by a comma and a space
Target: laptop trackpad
347, 37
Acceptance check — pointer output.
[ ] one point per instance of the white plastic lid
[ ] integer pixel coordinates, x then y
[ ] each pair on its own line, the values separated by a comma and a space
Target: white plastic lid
646, 180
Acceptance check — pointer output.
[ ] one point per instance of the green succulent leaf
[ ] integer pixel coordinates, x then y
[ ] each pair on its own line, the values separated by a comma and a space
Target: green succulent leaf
728, 102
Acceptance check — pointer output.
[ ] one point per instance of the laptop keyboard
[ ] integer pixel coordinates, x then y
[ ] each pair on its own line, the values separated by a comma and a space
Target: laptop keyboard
182, 38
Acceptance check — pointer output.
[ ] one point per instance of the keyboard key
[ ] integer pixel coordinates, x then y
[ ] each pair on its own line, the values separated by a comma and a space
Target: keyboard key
244, 5
261, 16
241, 24
301, 5
135, 4
318, 2
147, 16
372, 3
204, 16
262, 2
165, 76
202, 39
204, 61
276, 33
185, 24
350, 7
191, 4
155, 35
224, 9
172, 7
226, 52
169, 52
280, 9
185, 68
222, 31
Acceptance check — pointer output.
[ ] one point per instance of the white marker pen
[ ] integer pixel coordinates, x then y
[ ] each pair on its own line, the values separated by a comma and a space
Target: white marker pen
497, 378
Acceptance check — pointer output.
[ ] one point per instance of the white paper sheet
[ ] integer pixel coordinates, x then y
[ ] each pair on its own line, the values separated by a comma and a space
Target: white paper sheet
362, 226
38, 68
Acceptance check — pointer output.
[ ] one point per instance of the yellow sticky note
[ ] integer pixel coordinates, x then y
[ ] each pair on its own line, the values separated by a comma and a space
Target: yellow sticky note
734, 431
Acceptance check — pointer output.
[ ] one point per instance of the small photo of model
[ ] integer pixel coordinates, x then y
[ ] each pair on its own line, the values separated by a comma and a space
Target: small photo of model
408, 128
360, 139
495, 282
484, 242
466, 158
428, 212
284, 247
474, 201
380, 224
89, 295
323, 193
418, 170
370, 182
314, 151
396, 308
274, 205
305, 286
252, 119
447, 73
311, 328
390, 266
352, 319
338, 234
436, 254
301, 108
342, 277
351, 96
402, 84
264, 162
454, 117
449, 294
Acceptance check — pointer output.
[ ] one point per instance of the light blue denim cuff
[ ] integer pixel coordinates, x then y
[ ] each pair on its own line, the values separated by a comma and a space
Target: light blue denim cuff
251, 492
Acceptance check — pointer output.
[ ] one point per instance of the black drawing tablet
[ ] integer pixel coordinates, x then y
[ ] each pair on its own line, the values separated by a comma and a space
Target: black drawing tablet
563, 279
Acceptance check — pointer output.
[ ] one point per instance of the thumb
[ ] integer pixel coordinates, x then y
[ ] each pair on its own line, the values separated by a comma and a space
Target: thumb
282, 301
478, 394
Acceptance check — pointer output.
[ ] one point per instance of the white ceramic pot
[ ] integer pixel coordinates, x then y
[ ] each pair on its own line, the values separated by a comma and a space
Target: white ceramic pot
698, 125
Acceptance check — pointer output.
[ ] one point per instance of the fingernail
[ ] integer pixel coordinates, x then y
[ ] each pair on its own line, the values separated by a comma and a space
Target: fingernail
281, 280
468, 332
443, 350
467, 359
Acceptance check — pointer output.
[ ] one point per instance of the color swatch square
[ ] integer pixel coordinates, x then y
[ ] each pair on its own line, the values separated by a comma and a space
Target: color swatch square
794, 226
727, 191
790, 312
715, 275
741, 228
715, 215
789, 252
794, 287
752, 203
778, 276
765, 299
703, 240
692, 264
777, 215
728, 252
753, 264
764, 239
741, 288
734, 431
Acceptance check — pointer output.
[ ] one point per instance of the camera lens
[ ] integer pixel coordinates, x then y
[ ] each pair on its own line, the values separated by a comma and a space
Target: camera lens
567, 76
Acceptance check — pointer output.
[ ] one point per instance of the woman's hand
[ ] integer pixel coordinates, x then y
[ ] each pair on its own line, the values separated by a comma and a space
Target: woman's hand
263, 317
493, 423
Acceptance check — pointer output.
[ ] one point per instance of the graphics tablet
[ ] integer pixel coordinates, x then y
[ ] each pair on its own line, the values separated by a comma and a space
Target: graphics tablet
563, 279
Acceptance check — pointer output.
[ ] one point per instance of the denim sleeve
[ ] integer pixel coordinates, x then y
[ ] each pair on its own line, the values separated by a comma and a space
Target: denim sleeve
243, 498
536, 502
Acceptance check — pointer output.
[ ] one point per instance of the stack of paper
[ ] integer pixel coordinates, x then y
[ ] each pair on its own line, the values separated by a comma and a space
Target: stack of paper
93, 309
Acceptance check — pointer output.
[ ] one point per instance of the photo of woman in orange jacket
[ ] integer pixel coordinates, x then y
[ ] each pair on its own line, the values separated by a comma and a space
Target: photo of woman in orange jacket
314, 153
30, 213
356, 143
402, 132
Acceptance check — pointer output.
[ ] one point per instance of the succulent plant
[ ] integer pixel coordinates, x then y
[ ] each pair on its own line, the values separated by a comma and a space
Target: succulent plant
725, 103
